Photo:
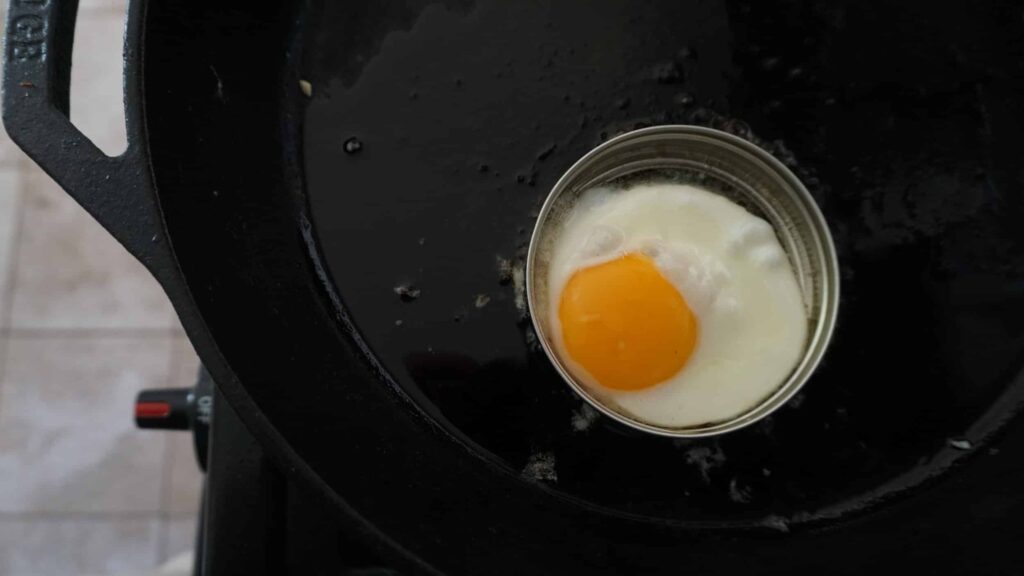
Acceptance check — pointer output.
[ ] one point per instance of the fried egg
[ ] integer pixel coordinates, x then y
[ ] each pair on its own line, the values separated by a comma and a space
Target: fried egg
672, 304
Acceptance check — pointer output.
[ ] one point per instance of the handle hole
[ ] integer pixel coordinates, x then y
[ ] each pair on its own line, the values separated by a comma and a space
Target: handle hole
97, 75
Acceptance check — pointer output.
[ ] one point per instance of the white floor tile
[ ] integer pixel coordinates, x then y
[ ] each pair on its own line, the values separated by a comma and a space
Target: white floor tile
115, 6
67, 441
179, 535
44, 547
67, 438
182, 477
10, 154
186, 362
72, 274
97, 73
183, 484
9, 213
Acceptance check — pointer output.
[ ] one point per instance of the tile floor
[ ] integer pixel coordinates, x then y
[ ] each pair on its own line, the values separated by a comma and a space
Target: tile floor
82, 328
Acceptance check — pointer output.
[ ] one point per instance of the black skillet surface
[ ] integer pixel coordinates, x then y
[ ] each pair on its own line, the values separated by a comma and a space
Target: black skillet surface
432, 135
466, 114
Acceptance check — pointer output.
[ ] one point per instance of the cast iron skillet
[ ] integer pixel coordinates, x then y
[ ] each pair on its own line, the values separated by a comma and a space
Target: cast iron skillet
280, 225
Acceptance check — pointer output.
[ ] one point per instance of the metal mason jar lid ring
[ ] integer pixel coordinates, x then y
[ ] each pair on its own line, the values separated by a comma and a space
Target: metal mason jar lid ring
726, 165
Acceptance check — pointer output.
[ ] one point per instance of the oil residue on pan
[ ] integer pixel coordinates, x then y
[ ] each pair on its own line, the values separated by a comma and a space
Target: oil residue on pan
921, 227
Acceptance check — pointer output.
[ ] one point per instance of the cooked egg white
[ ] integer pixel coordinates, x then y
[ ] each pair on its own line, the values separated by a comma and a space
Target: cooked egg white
673, 304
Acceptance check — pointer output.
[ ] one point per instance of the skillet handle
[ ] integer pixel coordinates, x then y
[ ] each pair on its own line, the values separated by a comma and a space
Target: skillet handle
117, 191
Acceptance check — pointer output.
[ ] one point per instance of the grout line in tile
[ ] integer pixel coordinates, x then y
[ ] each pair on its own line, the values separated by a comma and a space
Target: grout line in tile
10, 276
163, 502
175, 358
103, 10
79, 516
5, 344
172, 516
20, 332
161, 538
167, 461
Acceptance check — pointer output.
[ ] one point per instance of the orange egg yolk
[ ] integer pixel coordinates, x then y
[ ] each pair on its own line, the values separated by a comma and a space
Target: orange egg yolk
626, 324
